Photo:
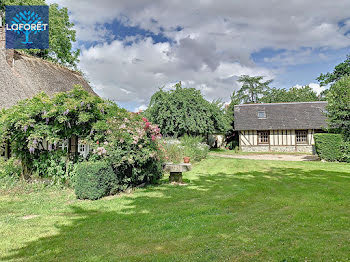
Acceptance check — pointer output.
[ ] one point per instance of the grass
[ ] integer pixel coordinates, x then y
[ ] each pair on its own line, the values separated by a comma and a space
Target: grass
233, 152
230, 210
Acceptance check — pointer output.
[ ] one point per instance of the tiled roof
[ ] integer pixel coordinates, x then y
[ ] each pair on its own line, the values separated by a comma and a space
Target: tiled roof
281, 116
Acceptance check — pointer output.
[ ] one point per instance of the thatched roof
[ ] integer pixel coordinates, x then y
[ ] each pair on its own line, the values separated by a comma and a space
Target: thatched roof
281, 116
27, 76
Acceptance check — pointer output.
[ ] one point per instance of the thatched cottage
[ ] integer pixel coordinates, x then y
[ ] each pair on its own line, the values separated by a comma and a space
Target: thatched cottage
23, 76
279, 127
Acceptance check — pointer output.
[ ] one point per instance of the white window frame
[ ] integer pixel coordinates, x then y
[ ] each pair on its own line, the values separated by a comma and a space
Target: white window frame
83, 149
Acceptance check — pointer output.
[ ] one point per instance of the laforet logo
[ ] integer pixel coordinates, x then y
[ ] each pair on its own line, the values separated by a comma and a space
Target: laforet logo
27, 27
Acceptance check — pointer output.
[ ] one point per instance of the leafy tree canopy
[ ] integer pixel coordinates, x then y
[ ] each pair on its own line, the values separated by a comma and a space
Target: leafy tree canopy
185, 111
340, 70
339, 106
252, 88
294, 94
61, 34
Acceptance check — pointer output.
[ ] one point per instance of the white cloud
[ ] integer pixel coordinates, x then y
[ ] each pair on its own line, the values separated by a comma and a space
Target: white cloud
213, 48
133, 73
140, 108
317, 88
314, 86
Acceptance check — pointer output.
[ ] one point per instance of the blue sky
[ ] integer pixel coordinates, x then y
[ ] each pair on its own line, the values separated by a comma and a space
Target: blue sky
131, 48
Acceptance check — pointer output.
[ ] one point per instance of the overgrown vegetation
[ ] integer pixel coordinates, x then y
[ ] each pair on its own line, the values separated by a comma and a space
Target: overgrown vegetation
190, 146
10, 168
38, 130
36, 127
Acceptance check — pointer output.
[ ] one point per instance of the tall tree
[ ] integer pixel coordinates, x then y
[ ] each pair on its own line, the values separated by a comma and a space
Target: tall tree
340, 70
338, 108
62, 36
294, 94
185, 111
253, 88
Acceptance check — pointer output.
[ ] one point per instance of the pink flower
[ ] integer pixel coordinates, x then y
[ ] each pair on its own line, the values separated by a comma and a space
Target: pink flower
98, 142
147, 125
153, 138
145, 119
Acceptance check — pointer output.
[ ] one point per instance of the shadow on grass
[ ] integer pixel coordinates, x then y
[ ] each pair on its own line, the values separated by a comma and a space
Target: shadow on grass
175, 222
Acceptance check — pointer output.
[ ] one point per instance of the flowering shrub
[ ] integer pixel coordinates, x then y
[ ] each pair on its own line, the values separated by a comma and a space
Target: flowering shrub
131, 145
37, 127
34, 127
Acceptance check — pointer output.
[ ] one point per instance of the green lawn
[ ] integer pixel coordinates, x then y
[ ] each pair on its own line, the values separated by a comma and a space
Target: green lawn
231, 210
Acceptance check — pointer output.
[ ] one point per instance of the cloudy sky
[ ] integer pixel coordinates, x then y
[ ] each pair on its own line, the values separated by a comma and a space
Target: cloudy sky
130, 48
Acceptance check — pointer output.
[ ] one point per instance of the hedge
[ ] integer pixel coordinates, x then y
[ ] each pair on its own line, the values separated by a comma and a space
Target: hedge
329, 147
346, 152
94, 180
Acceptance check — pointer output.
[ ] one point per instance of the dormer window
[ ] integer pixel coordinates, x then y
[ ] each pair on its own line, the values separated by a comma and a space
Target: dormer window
261, 114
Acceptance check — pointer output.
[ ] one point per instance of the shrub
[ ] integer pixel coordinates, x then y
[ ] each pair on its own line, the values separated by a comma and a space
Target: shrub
94, 180
346, 152
329, 146
174, 151
129, 143
53, 165
191, 146
10, 168
194, 147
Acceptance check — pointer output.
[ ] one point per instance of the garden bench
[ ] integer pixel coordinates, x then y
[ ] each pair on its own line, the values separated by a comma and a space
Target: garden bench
176, 171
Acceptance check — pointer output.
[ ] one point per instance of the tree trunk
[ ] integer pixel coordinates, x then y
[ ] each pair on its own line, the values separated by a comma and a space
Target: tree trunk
26, 171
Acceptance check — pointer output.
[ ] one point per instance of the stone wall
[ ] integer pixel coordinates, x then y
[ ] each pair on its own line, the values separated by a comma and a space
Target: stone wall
291, 149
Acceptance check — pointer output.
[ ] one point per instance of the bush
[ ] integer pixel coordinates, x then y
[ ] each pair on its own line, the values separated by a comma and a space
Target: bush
54, 165
346, 152
194, 147
191, 146
94, 180
329, 146
10, 168
129, 143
